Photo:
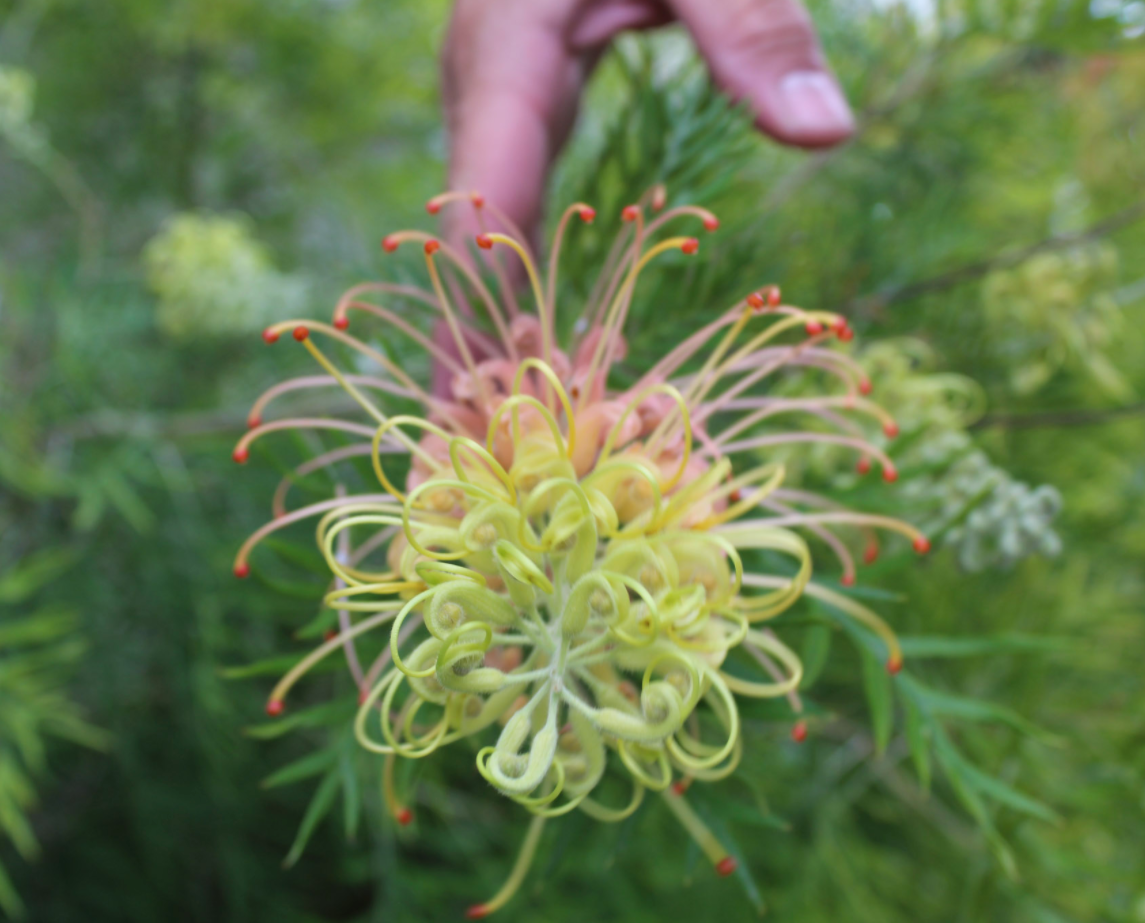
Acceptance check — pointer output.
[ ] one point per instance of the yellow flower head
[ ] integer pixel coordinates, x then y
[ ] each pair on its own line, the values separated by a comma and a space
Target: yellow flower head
562, 573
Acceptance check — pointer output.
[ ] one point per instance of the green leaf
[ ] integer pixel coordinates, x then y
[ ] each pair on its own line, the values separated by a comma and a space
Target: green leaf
952, 765
816, 647
38, 628
128, 503
877, 686
351, 793
301, 556
992, 787
310, 765
939, 647
10, 901
318, 808
944, 704
320, 716
35, 571
916, 738
295, 588
270, 666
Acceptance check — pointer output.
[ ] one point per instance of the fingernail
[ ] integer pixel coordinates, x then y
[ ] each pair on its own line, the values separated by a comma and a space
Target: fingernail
815, 107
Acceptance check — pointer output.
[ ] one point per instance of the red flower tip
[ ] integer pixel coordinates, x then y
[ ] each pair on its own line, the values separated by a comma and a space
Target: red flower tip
922, 544
711, 223
891, 429
389, 243
431, 247
433, 206
476, 912
363, 694
774, 296
681, 785
629, 213
735, 496
690, 246
813, 328
254, 421
240, 455
755, 299
863, 466
301, 333
274, 707
871, 554
588, 215
342, 322
242, 570
329, 634
890, 474
865, 386
799, 731
894, 664
846, 334
484, 241
270, 335
404, 816
725, 866
839, 324
477, 199
847, 580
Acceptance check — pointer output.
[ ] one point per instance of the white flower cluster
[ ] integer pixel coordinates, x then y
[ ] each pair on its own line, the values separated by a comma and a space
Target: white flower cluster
17, 104
213, 277
994, 520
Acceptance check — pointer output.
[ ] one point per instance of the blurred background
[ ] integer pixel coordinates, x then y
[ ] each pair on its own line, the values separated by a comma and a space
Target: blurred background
175, 174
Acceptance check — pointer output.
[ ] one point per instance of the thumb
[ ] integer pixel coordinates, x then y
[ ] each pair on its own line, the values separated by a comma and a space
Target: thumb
766, 53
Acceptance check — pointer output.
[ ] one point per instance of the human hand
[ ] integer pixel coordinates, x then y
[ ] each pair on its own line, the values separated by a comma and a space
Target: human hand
514, 71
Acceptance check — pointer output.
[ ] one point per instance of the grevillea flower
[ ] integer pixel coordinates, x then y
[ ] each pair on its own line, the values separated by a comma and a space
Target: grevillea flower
563, 573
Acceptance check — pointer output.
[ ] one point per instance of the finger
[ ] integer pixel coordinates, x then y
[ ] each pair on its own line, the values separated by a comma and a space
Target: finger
766, 53
511, 86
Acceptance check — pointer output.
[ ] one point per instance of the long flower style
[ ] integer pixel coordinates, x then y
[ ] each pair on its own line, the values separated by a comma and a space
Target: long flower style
563, 574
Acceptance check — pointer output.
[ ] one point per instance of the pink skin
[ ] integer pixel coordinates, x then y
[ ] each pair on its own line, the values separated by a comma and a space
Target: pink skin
513, 72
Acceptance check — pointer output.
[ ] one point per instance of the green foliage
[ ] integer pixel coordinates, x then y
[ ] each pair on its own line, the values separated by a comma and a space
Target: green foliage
998, 164
39, 650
